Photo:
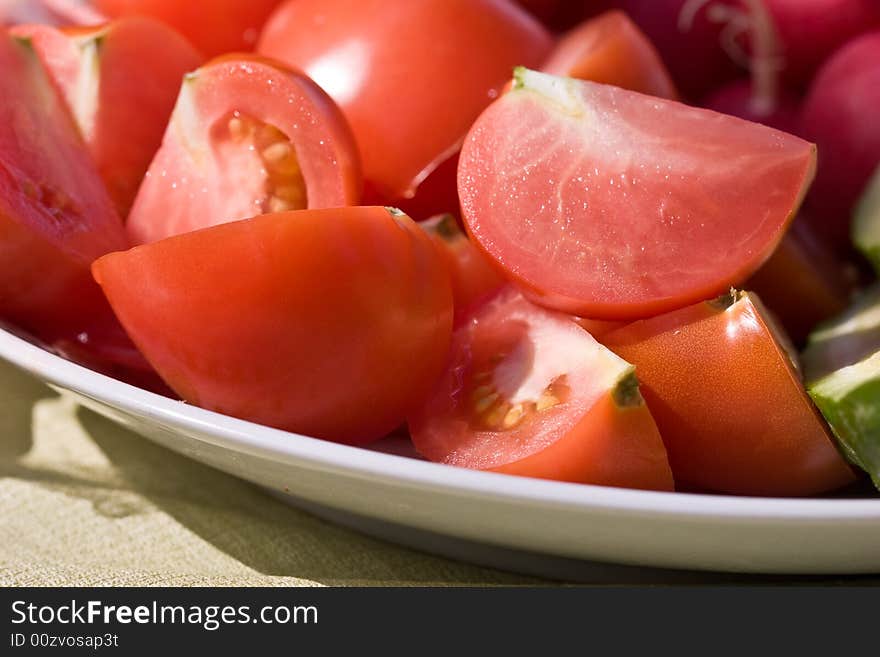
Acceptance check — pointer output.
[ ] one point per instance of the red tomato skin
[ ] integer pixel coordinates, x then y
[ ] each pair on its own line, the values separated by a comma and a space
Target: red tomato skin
410, 77
55, 215
803, 283
474, 278
611, 49
233, 25
136, 91
592, 452
731, 408
331, 323
608, 444
178, 195
503, 213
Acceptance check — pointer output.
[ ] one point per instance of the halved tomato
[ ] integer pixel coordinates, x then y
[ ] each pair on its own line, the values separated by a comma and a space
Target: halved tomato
473, 276
120, 81
411, 77
528, 392
332, 323
55, 215
215, 28
49, 12
248, 136
610, 204
611, 49
729, 402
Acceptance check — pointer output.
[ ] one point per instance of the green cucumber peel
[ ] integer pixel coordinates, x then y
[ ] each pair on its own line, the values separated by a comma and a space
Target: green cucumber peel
849, 399
866, 222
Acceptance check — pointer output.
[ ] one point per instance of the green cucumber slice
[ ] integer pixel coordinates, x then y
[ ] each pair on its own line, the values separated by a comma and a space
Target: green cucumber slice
845, 340
849, 399
866, 222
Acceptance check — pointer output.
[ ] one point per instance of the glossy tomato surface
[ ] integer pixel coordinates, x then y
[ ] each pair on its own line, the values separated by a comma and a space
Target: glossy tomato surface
410, 77
55, 215
215, 27
610, 204
611, 49
332, 323
528, 392
120, 81
248, 136
472, 274
729, 402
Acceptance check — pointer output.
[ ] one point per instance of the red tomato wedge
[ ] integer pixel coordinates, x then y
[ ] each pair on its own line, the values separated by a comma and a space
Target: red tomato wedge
411, 77
473, 276
729, 402
55, 215
528, 392
611, 49
49, 12
333, 323
215, 27
120, 96
610, 204
248, 136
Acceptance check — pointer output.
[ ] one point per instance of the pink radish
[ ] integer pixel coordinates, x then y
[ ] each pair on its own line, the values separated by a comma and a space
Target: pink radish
811, 30
840, 115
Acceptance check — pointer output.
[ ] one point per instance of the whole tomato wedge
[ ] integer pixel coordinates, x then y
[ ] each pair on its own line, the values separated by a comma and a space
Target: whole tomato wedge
248, 136
729, 402
55, 215
215, 27
410, 77
610, 204
332, 323
528, 392
120, 81
611, 49
473, 276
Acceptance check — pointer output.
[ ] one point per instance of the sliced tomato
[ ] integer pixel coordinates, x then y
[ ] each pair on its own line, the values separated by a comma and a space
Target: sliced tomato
55, 215
332, 323
224, 26
528, 392
729, 402
411, 77
802, 283
598, 327
248, 136
609, 204
49, 12
611, 49
473, 276
120, 80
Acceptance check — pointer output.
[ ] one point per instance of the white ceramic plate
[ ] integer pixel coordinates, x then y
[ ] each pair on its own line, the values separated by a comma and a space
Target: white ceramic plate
392, 494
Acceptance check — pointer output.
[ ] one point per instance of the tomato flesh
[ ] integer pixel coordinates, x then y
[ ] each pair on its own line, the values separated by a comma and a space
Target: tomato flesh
55, 216
120, 98
610, 204
332, 323
729, 402
530, 393
248, 136
225, 26
411, 77
611, 49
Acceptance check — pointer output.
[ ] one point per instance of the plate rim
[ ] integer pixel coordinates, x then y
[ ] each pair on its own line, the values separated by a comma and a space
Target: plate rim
243, 436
